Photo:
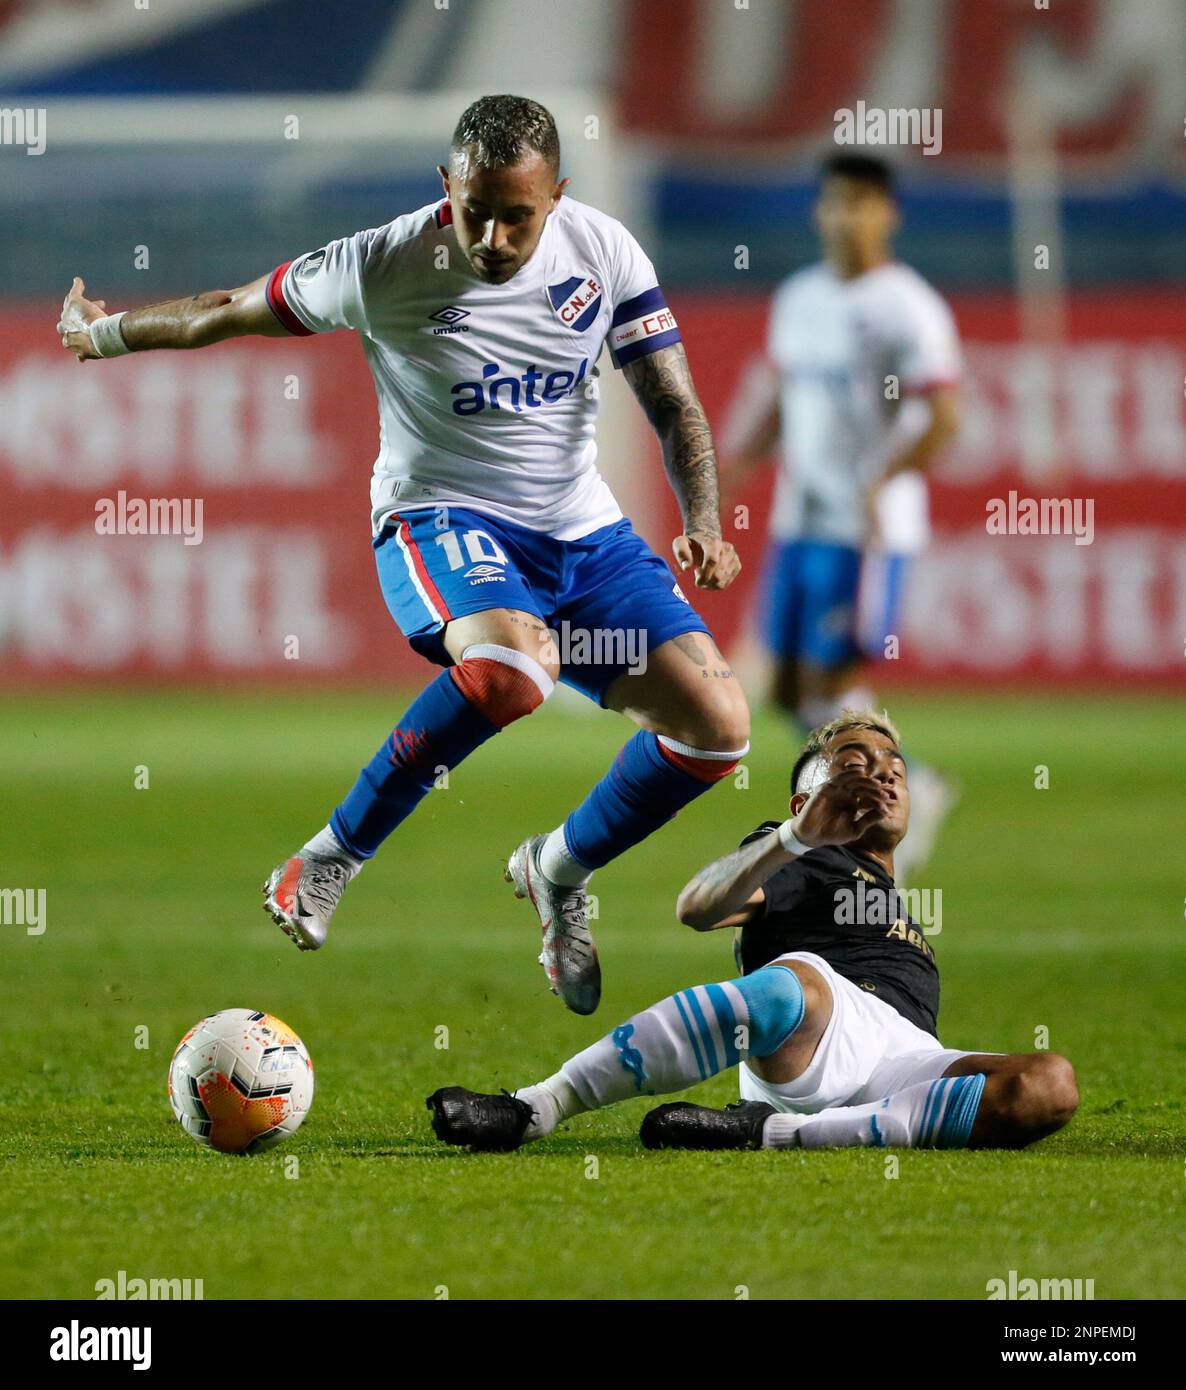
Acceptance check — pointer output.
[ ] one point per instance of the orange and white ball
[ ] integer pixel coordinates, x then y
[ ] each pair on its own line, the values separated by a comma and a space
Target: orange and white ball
240, 1081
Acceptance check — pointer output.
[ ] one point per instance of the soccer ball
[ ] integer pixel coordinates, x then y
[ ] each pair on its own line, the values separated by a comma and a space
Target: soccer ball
240, 1081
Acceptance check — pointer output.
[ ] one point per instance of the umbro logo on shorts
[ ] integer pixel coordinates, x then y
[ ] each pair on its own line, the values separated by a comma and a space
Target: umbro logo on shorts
484, 573
450, 316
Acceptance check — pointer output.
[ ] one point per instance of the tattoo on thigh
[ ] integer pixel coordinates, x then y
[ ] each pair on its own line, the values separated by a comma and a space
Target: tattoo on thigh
690, 644
690, 647
531, 623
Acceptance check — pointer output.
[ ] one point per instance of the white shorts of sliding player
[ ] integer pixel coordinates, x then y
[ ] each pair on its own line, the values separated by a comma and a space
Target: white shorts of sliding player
868, 1051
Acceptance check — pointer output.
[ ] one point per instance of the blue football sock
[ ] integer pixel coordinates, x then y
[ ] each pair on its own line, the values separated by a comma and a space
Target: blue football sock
467, 704
650, 780
439, 729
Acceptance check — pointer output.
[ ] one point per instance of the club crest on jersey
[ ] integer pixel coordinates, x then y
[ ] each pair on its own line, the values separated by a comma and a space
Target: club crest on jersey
576, 302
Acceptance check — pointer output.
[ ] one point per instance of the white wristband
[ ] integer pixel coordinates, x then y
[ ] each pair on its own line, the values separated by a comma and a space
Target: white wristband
790, 841
106, 337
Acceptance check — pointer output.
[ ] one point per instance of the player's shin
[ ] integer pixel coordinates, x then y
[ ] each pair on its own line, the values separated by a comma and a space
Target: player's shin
935, 1114
466, 705
651, 779
677, 1042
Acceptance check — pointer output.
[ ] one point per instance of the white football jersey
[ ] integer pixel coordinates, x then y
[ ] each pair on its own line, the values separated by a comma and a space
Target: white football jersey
487, 393
836, 343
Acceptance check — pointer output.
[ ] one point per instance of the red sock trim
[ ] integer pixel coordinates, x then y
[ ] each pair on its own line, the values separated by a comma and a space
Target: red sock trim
705, 769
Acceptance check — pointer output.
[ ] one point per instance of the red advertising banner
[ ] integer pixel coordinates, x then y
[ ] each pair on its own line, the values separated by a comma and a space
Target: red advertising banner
266, 445
255, 456
717, 77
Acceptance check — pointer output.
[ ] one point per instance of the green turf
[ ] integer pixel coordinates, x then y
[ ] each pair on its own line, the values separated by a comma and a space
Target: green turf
1061, 909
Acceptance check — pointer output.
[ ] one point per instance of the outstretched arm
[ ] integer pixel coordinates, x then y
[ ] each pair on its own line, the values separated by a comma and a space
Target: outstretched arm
662, 382
195, 322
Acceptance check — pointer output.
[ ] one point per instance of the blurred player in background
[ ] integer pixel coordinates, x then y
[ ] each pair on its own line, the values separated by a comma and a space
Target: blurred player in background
482, 316
859, 393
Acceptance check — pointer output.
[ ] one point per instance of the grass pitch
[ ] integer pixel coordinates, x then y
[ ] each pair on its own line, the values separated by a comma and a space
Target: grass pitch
1062, 910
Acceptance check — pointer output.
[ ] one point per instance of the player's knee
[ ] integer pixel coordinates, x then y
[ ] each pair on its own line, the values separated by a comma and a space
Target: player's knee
502, 682
1042, 1096
722, 717
1058, 1091
817, 997
776, 1004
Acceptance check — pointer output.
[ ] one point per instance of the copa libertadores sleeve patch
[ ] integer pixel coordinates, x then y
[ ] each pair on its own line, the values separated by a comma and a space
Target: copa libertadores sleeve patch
640, 326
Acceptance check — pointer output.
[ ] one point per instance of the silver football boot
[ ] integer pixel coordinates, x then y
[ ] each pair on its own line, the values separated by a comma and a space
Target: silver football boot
569, 957
302, 893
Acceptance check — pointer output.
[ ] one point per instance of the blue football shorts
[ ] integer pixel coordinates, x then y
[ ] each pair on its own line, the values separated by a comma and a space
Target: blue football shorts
830, 604
607, 596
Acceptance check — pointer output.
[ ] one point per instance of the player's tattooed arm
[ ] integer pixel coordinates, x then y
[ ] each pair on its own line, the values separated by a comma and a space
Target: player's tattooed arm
198, 321
662, 383
728, 892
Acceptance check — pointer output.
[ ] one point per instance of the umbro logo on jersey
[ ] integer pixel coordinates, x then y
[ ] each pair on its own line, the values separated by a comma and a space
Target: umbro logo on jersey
576, 302
451, 317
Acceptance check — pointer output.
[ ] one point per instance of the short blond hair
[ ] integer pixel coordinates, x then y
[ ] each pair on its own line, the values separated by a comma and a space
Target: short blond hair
848, 719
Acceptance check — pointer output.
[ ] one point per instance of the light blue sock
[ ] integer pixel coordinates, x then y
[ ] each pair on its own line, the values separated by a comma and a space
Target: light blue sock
935, 1114
689, 1037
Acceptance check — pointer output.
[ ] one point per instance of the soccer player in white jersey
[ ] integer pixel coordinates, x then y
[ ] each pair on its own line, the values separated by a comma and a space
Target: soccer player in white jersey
860, 394
482, 317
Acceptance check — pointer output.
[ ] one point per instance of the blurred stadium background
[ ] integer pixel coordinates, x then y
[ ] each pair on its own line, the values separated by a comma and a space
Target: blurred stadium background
197, 145
192, 147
